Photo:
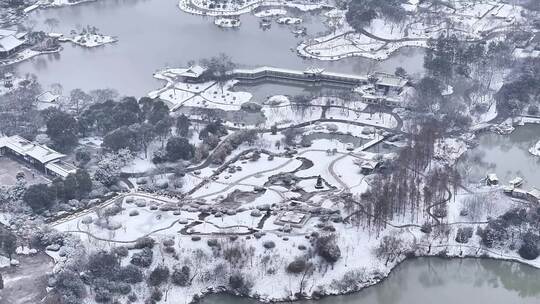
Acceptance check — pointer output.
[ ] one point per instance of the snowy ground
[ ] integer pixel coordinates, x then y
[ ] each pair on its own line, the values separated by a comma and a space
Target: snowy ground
90, 40
210, 95
468, 21
25, 55
357, 244
245, 207
234, 8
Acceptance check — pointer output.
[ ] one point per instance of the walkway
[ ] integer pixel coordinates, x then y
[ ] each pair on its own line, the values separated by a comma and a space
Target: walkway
337, 177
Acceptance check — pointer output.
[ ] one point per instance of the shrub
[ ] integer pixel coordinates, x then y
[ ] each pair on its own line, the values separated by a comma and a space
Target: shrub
212, 242
122, 288
352, 280
102, 264
170, 250
181, 276
297, 266
327, 248
240, 284
168, 242
269, 244
70, 285
130, 274
144, 242
143, 258
464, 234
529, 248
120, 251
157, 295
159, 275
528, 251
426, 228
111, 211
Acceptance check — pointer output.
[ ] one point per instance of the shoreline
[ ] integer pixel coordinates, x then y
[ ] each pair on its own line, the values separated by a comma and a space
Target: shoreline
29, 56
188, 6
375, 281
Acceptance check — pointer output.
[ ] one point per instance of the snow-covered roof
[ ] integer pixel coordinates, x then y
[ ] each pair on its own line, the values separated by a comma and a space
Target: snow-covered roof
266, 69
313, 71
31, 7
24, 147
389, 80
535, 193
516, 181
382, 78
7, 32
9, 43
519, 192
61, 168
47, 97
492, 177
43, 154
15, 143
367, 163
55, 35
193, 72
21, 35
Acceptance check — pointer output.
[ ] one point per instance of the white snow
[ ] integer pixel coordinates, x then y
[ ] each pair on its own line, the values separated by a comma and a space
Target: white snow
271, 13
535, 150
89, 40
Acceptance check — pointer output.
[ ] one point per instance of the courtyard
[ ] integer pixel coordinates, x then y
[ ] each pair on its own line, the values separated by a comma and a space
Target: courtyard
9, 169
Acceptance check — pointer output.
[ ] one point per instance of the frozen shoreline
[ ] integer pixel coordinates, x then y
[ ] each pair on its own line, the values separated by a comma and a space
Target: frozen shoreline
375, 281
89, 40
196, 8
26, 55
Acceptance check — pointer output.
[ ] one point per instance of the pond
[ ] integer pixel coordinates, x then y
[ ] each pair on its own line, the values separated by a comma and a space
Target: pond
154, 34
261, 91
441, 281
506, 155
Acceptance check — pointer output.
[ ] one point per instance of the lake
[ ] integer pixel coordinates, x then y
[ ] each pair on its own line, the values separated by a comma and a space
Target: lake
154, 34
440, 281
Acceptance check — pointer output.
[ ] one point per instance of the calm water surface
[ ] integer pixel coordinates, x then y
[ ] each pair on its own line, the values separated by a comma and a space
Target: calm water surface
154, 34
505, 155
434, 280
